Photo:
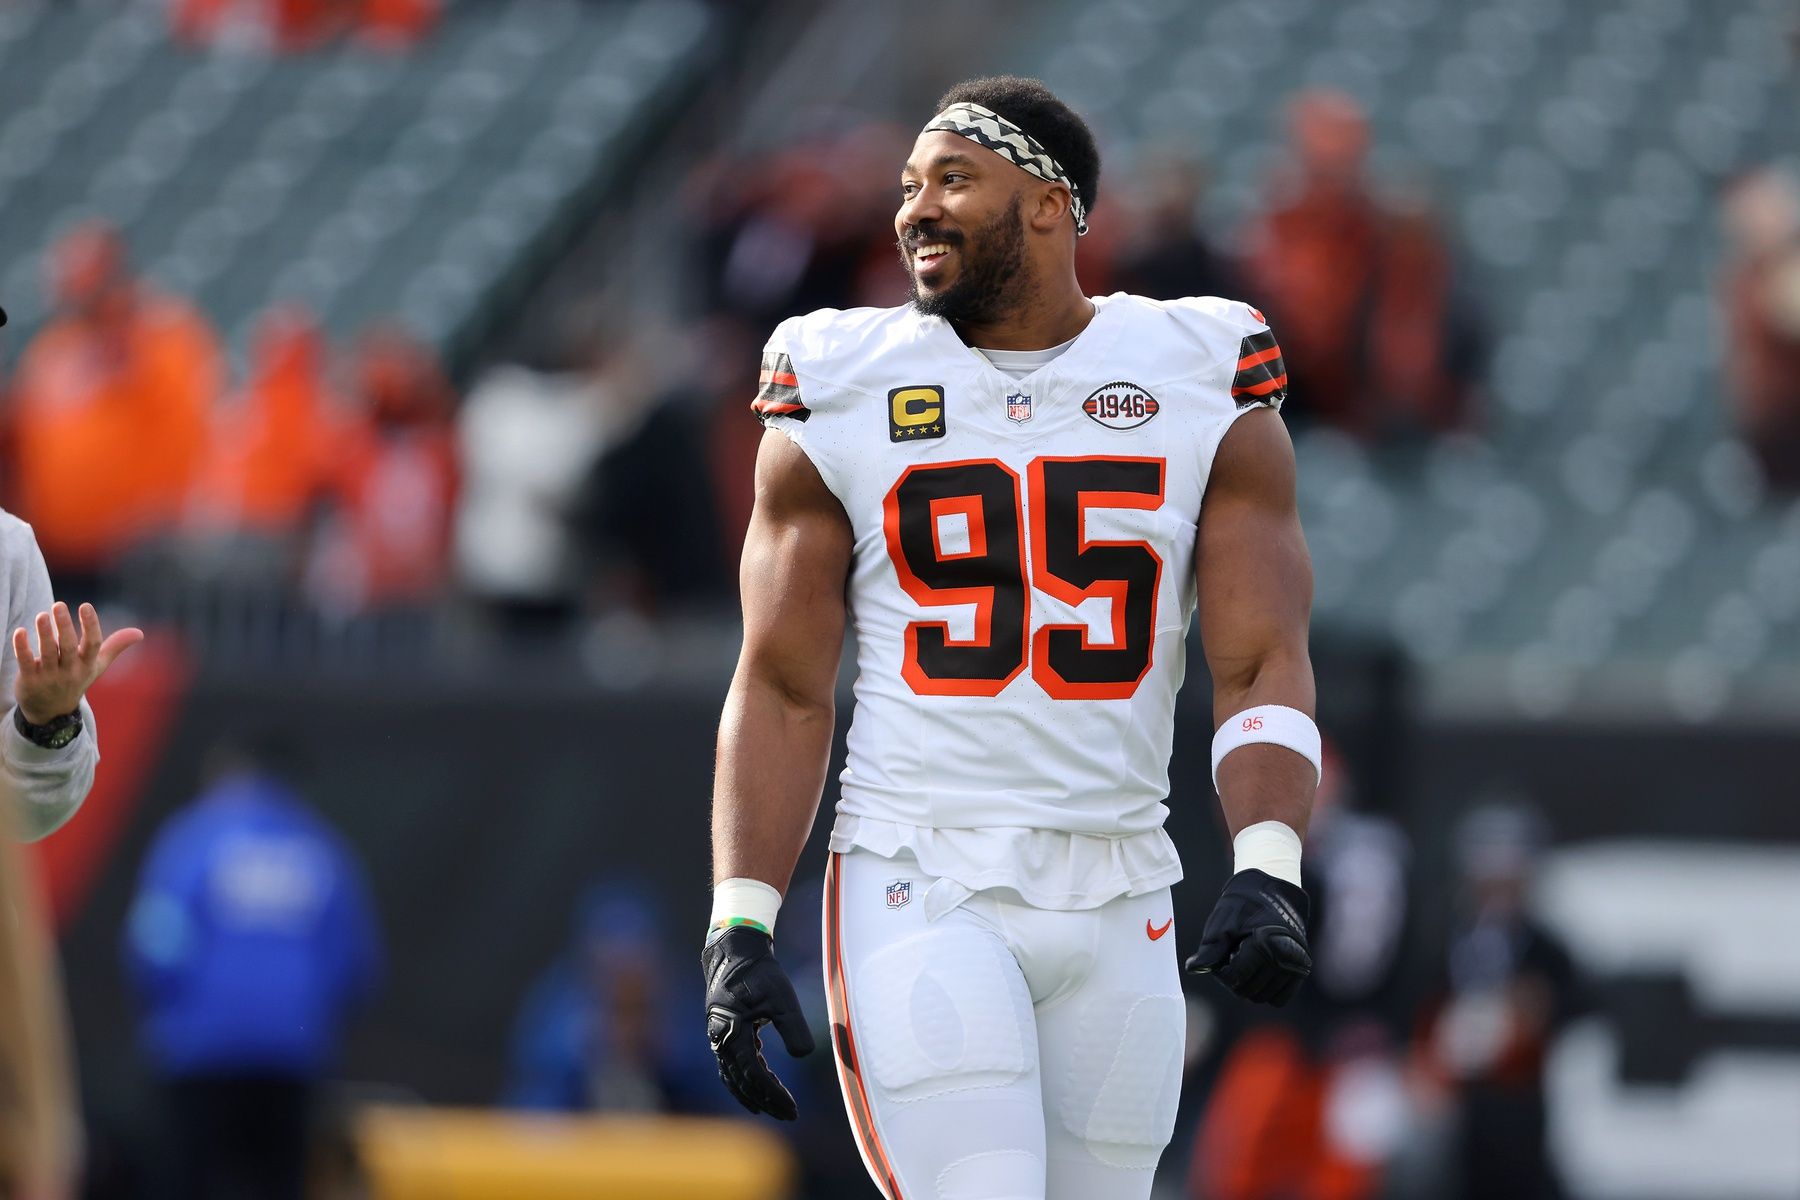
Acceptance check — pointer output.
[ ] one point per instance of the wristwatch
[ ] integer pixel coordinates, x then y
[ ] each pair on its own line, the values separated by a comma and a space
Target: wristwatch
54, 734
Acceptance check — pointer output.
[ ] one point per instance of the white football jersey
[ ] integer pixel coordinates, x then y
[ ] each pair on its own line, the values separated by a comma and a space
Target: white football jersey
1023, 574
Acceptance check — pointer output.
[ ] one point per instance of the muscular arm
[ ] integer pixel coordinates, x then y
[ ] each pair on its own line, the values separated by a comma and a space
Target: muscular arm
775, 734
1255, 601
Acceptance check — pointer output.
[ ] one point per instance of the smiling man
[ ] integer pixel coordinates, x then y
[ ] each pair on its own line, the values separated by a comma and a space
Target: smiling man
1020, 494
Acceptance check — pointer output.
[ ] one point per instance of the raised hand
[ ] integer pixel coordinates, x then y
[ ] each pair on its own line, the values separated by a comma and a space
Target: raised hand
52, 682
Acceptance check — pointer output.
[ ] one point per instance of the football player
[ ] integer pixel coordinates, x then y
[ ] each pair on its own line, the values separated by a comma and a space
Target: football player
1019, 495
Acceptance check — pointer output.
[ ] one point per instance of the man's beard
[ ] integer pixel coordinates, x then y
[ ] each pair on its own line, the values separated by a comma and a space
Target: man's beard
989, 277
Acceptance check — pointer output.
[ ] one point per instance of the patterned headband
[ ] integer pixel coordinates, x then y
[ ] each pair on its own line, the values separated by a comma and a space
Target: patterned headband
985, 127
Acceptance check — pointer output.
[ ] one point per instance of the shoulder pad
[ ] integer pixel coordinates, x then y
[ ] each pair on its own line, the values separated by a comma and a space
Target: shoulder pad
830, 355
1246, 346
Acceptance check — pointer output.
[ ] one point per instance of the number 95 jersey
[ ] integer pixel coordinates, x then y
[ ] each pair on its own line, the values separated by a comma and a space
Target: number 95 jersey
1023, 575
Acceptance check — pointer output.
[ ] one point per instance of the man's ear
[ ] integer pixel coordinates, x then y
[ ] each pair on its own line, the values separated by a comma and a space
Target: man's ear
1050, 207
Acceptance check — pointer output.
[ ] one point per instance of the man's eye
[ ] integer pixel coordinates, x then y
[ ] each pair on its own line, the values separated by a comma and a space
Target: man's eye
955, 177
907, 190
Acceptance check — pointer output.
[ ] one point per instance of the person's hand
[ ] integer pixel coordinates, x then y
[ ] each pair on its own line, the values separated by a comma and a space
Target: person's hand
746, 988
1255, 940
52, 682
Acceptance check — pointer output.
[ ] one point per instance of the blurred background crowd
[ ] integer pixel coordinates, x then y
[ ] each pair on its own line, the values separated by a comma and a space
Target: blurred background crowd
389, 361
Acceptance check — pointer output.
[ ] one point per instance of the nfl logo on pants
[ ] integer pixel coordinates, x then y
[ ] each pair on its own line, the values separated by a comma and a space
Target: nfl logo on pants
1018, 407
899, 893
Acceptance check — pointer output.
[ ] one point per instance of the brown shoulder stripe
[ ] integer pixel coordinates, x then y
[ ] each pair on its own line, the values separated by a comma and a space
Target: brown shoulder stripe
778, 390
1261, 374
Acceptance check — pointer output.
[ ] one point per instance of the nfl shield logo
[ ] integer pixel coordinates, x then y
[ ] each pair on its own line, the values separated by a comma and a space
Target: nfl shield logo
899, 893
1018, 407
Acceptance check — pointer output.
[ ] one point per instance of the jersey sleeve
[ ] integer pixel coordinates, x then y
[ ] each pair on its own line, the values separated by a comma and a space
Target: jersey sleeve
1242, 366
777, 387
1261, 376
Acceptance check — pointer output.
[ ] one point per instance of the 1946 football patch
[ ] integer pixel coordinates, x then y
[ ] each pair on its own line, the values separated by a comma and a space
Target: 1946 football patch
1121, 405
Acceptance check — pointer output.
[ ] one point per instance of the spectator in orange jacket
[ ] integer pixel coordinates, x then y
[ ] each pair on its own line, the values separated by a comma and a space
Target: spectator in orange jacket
109, 409
270, 453
396, 482
1314, 255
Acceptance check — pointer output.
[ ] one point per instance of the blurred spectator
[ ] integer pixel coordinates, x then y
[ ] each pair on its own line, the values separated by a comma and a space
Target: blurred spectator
1426, 355
1379, 336
39, 1131
109, 409
586, 484
289, 25
601, 1031
809, 227
269, 459
529, 439
1356, 865
298, 25
396, 24
771, 247
388, 548
1314, 254
1760, 294
726, 377
1168, 256
648, 510
251, 939
1508, 987
1310, 1102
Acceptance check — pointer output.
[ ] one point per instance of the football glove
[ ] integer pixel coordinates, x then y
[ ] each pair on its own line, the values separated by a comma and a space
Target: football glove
1255, 939
746, 989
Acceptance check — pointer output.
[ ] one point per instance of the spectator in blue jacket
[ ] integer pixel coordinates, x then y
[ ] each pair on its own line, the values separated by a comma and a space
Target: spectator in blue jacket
250, 940
600, 1029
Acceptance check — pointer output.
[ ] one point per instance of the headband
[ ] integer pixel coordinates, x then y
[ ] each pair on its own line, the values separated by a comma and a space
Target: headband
985, 127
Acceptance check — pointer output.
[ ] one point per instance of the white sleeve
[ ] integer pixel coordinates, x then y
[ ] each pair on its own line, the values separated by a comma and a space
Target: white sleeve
1246, 370
47, 785
778, 402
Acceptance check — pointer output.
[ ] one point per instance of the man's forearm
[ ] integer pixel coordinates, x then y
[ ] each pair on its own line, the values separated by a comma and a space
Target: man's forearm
1263, 781
46, 786
773, 751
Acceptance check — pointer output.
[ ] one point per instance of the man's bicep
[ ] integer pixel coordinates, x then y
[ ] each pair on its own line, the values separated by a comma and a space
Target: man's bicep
1255, 575
795, 567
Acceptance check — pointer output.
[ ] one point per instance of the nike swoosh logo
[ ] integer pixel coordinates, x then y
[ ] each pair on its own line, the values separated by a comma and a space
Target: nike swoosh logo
1154, 932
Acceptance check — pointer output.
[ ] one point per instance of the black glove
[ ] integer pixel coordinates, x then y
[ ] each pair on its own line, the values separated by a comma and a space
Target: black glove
746, 988
1255, 940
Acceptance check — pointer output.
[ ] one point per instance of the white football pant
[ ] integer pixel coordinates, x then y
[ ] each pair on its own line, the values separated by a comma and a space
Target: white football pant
1003, 1051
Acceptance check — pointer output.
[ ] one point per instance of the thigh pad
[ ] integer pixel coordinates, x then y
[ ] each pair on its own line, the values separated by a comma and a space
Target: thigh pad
943, 1010
1123, 1077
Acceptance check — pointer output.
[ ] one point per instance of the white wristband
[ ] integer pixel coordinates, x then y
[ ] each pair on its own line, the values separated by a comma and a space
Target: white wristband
744, 902
1268, 846
1275, 723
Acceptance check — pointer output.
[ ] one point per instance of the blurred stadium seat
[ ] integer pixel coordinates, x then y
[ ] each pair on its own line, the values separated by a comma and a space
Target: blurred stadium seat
1581, 146
356, 182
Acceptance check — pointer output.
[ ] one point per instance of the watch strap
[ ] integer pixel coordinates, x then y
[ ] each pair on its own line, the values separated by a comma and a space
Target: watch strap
54, 734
